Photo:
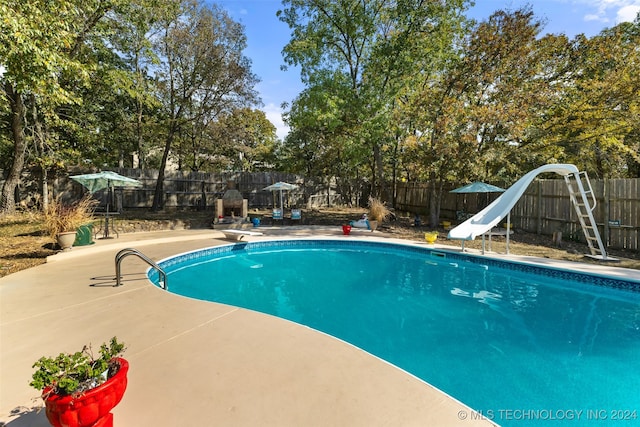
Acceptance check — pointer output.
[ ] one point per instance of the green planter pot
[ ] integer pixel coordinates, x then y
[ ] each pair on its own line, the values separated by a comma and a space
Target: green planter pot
84, 235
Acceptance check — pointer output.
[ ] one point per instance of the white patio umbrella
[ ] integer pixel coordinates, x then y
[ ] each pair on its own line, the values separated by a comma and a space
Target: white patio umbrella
280, 187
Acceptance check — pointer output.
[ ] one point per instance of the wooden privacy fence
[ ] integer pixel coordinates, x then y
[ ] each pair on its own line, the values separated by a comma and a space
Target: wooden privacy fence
200, 189
546, 208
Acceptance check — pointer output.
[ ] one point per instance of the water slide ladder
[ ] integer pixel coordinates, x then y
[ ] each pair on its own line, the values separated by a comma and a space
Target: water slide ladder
584, 202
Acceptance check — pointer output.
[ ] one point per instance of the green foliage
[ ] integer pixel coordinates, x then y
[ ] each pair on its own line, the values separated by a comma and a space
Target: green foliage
395, 90
240, 140
357, 57
427, 105
35, 38
595, 121
203, 76
73, 373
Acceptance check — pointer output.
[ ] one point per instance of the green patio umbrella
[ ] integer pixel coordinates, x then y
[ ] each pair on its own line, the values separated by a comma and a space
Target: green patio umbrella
105, 179
478, 187
101, 180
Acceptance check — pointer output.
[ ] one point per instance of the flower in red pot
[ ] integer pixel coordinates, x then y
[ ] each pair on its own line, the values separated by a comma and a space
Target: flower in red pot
80, 390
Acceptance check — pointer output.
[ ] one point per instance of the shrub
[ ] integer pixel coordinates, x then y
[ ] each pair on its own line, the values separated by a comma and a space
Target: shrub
78, 372
60, 218
378, 211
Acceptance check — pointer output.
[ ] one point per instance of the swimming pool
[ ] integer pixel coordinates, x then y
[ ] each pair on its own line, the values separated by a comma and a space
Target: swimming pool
521, 344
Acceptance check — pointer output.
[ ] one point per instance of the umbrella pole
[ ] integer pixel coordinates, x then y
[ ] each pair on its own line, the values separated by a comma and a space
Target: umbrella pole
105, 235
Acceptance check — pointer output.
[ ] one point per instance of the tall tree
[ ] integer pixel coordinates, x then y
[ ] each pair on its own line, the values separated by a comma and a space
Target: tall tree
510, 75
471, 120
597, 119
202, 74
246, 139
36, 39
133, 42
52, 52
360, 53
240, 140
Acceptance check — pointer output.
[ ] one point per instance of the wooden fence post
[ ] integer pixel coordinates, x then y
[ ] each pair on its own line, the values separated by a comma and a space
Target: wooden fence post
539, 213
605, 214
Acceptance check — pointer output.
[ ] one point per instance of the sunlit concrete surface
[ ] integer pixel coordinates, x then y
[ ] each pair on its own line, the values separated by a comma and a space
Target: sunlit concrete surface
195, 363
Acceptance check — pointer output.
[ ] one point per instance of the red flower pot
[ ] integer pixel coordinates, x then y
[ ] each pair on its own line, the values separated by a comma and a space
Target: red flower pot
346, 229
93, 407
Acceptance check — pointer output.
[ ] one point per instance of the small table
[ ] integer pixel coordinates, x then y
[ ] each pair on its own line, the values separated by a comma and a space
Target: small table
106, 225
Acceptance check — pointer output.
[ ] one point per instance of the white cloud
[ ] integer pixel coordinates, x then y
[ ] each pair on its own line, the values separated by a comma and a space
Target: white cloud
591, 17
627, 13
274, 115
624, 10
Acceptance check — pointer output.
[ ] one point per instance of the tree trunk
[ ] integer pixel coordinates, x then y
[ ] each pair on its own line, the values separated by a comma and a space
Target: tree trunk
435, 195
141, 153
394, 171
7, 197
377, 171
433, 206
39, 137
158, 195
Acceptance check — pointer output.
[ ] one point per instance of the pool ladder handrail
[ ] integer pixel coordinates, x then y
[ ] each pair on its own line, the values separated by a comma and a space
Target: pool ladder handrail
162, 276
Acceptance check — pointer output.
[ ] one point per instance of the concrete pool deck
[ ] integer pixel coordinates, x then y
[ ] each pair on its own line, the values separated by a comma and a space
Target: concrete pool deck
195, 363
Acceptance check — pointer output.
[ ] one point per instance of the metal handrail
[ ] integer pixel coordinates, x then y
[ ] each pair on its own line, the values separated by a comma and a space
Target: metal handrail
162, 276
593, 196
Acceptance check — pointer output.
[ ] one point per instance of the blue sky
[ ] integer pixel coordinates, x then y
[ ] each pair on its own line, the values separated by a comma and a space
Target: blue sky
266, 36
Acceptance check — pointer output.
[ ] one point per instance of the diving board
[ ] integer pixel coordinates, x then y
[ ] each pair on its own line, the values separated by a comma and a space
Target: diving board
489, 217
234, 234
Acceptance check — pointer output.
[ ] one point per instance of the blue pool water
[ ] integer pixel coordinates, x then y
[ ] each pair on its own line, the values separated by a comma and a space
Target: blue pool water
520, 344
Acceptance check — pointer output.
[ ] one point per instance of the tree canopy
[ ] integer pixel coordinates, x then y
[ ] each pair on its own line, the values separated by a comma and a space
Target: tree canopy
394, 90
413, 91
94, 83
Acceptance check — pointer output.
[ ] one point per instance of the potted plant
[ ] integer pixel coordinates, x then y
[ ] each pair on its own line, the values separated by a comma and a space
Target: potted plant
63, 220
79, 389
378, 212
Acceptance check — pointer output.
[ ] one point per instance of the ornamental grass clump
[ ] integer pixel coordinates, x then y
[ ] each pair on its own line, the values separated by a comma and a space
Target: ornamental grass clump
378, 211
73, 374
60, 217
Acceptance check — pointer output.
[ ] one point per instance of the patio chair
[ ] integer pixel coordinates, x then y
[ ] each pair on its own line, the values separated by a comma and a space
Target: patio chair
277, 214
296, 214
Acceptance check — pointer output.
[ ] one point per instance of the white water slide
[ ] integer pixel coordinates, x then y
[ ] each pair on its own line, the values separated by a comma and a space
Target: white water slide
482, 222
